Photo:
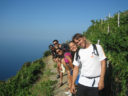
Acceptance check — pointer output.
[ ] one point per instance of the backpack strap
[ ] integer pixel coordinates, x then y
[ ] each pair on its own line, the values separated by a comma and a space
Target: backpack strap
77, 54
95, 51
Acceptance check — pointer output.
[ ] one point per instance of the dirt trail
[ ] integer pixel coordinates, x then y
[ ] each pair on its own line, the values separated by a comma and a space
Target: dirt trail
58, 91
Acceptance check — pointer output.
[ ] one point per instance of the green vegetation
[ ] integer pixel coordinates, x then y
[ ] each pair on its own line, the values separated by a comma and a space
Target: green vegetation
26, 82
44, 88
115, 44
20, 84
48, 72
32, 79
46, 53
55, 65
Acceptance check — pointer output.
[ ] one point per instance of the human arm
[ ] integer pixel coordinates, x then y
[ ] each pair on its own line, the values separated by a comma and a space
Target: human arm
102, 58
70, 61
103, 70
75, 74
68, 72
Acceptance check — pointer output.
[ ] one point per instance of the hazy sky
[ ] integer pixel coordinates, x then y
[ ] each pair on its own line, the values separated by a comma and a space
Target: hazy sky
46, 20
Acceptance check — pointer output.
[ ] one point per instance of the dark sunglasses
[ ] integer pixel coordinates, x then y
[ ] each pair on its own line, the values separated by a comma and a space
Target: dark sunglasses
58, 51
55, 43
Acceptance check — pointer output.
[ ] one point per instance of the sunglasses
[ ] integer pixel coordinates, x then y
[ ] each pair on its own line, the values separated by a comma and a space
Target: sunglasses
55, 43
58, 51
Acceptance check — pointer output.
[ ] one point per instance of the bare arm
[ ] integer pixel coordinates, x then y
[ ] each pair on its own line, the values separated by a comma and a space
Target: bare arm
68, 72
70, 61
63, 62
103, 70
75, 74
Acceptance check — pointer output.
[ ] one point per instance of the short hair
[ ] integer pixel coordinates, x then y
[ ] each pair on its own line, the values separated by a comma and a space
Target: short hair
50, 46
55, 41
77, 36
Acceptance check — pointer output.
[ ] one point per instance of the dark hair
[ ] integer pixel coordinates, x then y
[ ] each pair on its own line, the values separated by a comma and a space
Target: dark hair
50, 46
65, 47
55, 41
60, 56
77, 36
59, 49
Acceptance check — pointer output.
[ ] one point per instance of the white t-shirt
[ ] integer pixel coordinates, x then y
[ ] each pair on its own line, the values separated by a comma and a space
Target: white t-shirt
90, 65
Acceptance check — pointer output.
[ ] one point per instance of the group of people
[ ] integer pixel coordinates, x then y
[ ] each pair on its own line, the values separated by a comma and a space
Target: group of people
84, 63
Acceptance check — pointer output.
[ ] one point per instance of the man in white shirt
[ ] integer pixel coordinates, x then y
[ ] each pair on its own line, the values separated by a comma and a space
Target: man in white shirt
92, 69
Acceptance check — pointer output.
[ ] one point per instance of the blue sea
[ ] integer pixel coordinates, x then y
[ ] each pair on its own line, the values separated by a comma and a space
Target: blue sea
14, 52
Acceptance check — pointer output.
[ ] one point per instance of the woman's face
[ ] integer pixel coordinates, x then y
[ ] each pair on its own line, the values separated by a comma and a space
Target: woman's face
59, 52
72, 47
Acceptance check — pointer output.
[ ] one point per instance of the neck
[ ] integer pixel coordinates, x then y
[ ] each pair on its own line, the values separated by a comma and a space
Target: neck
86, 45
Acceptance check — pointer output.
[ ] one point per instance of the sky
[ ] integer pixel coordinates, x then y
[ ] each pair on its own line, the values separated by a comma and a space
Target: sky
27, 27
52, 19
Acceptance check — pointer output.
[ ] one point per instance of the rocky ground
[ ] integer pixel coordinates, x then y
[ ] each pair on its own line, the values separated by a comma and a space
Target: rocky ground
58, 91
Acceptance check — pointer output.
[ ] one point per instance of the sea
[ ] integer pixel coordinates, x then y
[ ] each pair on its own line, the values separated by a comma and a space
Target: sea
15, 52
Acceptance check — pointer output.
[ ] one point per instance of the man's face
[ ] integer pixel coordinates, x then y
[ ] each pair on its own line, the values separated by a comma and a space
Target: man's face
80, 42
55, 43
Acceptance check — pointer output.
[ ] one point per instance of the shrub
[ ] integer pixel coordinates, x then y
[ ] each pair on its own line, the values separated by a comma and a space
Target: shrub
46, 53
20, 84
115, 44
47, 87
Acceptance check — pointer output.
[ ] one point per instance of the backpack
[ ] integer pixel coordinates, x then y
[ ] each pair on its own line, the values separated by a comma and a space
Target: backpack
67, 54
106, 91
65, 47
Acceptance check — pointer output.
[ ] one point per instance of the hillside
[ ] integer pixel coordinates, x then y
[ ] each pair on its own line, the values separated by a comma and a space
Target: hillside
50, 73
42, 83
38, 78
113, 36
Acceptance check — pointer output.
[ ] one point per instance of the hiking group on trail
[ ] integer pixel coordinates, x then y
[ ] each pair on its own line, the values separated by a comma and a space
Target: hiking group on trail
84, 63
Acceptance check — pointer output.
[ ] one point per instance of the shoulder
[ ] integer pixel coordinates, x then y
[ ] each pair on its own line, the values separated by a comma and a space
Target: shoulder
62, 60
98, 46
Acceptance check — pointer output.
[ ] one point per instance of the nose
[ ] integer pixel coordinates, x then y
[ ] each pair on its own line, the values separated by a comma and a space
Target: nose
78, 43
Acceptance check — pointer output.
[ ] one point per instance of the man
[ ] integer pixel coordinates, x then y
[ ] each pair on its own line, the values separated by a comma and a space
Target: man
92, 69
53, 51
56, 44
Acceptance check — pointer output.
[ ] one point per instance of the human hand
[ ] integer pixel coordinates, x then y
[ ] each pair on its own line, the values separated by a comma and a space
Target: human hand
73, 89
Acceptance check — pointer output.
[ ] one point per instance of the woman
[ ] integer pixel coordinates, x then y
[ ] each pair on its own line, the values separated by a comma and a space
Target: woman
66, 60
74, 49
60, 71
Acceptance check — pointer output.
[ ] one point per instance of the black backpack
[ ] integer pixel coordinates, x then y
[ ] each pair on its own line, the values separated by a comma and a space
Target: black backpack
65, 47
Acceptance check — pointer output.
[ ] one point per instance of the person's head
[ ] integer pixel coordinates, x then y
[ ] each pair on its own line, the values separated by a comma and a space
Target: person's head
51, 47
79, 40
55, 42
72, 46
65, 47
59, 51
